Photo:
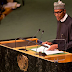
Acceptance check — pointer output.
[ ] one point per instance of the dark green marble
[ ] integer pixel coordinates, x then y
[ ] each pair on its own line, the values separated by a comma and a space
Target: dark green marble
8, 63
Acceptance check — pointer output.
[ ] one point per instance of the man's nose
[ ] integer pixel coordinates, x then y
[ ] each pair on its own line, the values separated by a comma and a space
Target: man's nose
56, 14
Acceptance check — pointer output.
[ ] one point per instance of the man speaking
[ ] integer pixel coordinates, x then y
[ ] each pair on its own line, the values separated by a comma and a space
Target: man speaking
64, 29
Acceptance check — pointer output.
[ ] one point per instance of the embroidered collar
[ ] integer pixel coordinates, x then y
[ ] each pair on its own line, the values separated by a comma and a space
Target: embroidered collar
64, 18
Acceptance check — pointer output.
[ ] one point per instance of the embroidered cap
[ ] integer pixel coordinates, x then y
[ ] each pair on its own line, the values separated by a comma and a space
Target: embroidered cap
59, 5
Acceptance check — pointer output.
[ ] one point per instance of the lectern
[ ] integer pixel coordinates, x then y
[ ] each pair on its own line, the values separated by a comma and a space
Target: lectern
14, 58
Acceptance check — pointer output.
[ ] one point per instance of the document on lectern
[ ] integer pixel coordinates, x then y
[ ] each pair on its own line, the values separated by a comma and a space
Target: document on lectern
44, 50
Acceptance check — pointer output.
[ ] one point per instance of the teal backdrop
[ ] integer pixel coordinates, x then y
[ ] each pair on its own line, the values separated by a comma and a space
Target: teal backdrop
26, 20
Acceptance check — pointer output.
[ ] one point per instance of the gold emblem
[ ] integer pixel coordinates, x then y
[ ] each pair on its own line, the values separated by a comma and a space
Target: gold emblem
22, 62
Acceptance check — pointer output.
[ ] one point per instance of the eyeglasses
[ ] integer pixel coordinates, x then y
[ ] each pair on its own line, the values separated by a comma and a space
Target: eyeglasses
58, 12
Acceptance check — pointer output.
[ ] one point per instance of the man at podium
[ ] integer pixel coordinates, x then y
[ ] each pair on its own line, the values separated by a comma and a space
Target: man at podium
63, 39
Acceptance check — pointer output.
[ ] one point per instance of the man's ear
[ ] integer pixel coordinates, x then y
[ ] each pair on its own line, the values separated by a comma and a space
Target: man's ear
64, 10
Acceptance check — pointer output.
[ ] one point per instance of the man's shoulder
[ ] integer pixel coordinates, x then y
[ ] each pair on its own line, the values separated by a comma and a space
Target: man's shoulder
69, 18
69, 21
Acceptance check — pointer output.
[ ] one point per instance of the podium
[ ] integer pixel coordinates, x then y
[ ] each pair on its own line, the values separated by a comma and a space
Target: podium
15, 59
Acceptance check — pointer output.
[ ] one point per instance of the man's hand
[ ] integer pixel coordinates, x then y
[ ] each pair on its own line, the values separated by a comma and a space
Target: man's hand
49, 43
54, 46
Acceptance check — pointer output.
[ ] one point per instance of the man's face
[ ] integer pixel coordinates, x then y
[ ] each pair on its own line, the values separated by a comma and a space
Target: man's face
59, 13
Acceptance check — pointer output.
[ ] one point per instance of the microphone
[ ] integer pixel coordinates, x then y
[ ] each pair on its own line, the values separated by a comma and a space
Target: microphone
32, 38
36, 33
39, 41
35, 43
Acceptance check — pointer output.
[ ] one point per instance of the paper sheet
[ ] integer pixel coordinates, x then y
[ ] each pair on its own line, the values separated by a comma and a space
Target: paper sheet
44, 50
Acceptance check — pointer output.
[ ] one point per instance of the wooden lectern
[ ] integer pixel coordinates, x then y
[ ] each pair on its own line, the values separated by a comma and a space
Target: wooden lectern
14, 58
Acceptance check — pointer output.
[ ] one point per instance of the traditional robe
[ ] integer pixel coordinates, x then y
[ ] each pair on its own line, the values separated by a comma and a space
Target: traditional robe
64, 31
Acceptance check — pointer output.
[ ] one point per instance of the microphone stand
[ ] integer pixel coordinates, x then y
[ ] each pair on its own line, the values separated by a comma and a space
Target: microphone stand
39, 43
36, 51
15, 43
33, 42
32, 38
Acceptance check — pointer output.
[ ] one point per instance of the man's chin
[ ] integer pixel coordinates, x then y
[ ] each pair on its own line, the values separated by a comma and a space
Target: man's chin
58, 19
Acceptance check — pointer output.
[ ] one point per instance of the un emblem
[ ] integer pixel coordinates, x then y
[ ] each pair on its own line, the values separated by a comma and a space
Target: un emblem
22, 61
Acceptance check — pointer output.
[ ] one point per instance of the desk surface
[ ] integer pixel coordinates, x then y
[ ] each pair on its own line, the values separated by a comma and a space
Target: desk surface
62, 58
